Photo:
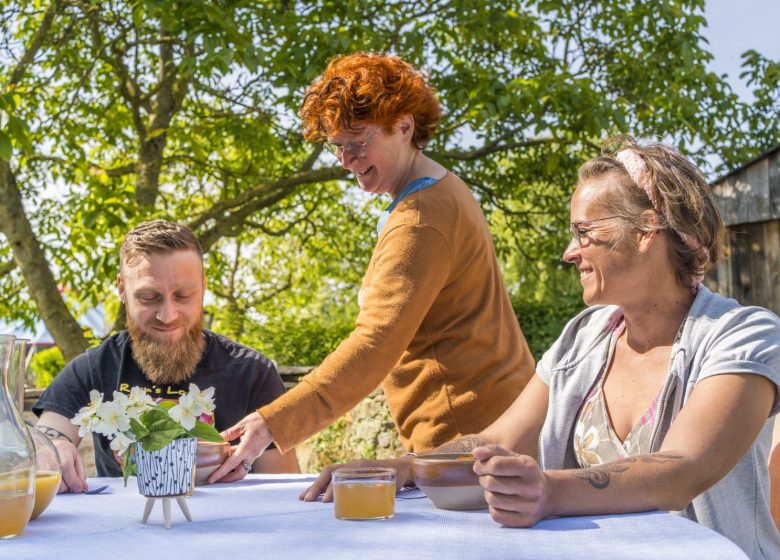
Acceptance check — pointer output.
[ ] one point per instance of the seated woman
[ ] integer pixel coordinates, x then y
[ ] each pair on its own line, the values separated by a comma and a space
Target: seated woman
659, 394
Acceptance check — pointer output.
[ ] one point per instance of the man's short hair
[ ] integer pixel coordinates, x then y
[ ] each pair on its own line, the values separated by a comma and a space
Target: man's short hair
157, 237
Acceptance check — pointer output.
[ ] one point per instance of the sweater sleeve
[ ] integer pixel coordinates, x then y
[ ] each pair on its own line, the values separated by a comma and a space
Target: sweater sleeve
410, 266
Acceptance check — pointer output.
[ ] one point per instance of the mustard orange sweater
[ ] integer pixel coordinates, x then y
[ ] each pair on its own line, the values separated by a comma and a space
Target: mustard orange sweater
435, 328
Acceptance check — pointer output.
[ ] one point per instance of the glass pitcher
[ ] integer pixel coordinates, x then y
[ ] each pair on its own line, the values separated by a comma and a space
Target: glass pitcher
18, 371
17, 455
48, 469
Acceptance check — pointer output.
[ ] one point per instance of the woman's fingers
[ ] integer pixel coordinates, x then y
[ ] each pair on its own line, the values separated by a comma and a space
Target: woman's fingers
514, 486
320, 486
497, 461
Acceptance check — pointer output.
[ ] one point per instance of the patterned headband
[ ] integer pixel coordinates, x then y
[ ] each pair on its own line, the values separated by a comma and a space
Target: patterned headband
637, 170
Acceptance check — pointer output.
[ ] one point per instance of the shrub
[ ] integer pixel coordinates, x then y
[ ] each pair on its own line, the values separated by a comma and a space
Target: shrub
542, 322
45, 365
299, 342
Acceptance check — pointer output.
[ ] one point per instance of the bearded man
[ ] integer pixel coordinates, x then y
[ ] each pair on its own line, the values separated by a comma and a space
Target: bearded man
162, 283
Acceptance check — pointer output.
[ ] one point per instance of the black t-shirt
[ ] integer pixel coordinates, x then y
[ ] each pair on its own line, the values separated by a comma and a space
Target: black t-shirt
243, 379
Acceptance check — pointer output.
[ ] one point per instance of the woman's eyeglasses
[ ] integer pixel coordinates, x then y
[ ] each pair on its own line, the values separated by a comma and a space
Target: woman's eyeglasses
353, 147
579, 229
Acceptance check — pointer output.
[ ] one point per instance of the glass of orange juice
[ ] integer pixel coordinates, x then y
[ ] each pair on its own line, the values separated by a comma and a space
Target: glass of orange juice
364, 492
48, 471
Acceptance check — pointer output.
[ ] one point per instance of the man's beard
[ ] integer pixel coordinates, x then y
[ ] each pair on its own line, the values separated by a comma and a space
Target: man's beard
172, 362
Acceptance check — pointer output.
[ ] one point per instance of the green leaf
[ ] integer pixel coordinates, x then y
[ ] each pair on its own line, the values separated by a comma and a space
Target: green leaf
162, 429
138, 429
128, 463
155, 133
552, 162
156, 440
206, 432
6, 151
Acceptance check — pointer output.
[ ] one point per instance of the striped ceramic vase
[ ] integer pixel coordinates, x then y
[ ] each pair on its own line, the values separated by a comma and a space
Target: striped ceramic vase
169, 471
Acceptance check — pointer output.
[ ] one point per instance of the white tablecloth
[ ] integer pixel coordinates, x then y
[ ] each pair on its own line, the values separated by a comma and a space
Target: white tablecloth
261, 517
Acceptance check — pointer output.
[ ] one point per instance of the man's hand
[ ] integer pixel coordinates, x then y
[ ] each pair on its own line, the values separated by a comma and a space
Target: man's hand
322, 485
73, 473
516, 489
255, 438
65, 437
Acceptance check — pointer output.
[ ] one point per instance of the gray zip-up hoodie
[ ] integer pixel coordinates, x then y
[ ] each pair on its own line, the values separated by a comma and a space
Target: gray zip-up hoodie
718, 336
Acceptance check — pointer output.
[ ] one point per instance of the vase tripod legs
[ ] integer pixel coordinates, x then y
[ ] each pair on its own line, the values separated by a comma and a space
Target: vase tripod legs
166, 503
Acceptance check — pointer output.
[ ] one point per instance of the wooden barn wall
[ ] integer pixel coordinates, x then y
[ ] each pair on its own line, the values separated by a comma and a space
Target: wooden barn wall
751, 274
751, 194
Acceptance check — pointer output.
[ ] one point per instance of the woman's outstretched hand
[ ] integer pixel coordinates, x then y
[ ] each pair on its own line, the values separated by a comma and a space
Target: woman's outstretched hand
323, 487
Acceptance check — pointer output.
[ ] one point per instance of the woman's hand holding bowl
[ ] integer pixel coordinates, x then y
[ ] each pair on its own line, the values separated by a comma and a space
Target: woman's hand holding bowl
516, 489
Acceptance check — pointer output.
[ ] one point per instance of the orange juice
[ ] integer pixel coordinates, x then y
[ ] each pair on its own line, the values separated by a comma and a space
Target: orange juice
14, 514
16, 502
46, 485
373, 499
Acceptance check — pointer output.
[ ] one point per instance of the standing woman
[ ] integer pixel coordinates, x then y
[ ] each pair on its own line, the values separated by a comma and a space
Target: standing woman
435, 326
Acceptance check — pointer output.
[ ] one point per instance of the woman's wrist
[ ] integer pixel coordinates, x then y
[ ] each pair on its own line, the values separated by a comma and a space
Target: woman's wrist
404, 465
552, 494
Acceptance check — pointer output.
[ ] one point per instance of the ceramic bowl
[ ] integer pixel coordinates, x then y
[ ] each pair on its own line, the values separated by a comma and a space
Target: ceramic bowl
208, 457
449, 481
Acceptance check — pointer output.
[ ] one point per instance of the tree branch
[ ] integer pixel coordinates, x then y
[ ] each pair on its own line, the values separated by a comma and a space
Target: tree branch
120, 171
127, 87
38, 277
285, 230
230, 225
312, 157
7, 268
26, 249
492, 148
35, 46
170, 93
220, 209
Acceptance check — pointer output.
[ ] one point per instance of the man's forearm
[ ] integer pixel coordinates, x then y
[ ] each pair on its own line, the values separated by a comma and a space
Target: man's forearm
56, 427
52, 433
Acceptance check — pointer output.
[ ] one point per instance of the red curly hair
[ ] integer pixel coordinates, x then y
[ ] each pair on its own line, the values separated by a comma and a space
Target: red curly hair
369, 87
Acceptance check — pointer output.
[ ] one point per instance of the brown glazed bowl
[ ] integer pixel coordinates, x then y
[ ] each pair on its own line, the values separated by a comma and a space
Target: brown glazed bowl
448, 479
208, 457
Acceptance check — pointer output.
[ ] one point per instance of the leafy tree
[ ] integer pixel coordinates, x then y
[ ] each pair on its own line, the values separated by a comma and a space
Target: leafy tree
113, 112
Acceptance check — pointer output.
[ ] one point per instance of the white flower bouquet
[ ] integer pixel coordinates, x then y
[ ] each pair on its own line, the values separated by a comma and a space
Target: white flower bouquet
138, 418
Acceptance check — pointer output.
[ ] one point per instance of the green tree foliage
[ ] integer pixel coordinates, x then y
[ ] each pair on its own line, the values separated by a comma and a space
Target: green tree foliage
45, 366
542, 322
113, 112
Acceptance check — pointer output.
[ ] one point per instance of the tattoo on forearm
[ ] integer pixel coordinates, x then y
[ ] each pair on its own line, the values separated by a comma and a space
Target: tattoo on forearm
52, 433
599, 477
465, 443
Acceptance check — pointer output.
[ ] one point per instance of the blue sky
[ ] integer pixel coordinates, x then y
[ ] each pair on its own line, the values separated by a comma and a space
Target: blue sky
735, 26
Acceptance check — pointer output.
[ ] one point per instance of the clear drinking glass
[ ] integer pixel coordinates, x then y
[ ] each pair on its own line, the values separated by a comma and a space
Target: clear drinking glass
48, 471
17, 456
364, 492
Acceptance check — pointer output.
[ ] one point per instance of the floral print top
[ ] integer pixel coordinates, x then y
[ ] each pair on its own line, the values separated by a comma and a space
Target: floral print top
595, 440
